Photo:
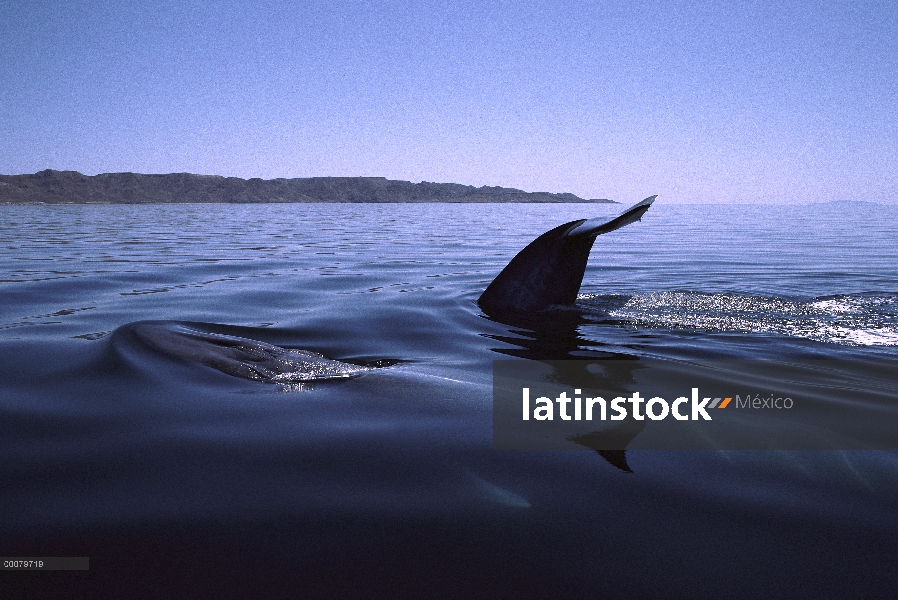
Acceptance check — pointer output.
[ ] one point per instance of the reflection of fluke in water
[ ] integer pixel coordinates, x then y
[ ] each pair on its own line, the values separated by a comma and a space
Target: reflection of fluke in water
547, 272
610, 444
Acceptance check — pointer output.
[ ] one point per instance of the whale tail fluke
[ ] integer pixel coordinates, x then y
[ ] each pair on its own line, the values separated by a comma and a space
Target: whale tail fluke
549, 271
600, 225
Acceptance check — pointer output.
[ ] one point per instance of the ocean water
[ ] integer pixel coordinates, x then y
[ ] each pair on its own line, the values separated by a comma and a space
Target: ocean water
176, 478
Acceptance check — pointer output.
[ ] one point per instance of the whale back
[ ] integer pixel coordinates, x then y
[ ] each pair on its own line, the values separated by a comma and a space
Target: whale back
237, 356
549, 271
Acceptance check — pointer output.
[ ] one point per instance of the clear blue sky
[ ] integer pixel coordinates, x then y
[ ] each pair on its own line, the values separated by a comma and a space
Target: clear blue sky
698, 102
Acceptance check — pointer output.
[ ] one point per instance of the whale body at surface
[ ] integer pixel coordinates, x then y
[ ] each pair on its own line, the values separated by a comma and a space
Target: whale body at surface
239, 356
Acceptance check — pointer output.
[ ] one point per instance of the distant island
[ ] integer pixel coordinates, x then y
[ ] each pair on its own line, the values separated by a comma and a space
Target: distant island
71, 187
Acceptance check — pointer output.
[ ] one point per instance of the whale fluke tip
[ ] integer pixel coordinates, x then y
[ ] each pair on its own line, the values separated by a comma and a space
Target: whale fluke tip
600, 225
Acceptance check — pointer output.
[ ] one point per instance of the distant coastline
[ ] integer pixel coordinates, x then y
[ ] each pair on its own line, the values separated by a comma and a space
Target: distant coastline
71, 187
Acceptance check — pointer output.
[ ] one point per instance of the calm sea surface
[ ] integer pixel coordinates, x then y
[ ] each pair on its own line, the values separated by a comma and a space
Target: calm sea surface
178, 475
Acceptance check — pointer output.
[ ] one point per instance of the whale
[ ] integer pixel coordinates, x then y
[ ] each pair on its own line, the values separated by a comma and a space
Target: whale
238, 356
547, 273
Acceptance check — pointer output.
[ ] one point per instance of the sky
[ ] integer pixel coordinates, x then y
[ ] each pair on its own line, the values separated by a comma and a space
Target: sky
744, 101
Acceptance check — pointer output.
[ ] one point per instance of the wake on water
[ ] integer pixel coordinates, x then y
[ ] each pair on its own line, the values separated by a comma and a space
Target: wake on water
854, 320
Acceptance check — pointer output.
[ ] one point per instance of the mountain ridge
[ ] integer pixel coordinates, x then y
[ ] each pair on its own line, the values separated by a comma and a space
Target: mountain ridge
71, 187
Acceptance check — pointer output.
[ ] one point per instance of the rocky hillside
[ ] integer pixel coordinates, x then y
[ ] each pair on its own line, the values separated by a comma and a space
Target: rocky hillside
71, 187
